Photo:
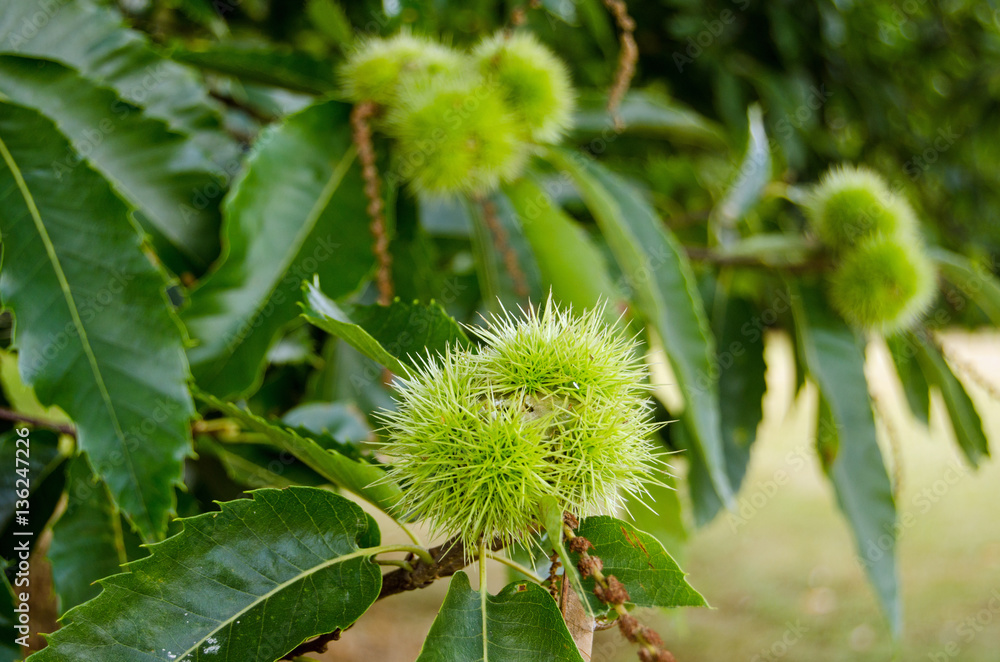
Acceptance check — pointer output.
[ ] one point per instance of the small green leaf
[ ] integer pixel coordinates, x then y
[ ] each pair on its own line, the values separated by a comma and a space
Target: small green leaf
973, 281
362, 478
95, 336
521, 623
638, 560
282, 225
329, 18
911, 376
666, 293
570, 264
748, 186
247, 583
647, 113
835, 359
395, 335
965, 419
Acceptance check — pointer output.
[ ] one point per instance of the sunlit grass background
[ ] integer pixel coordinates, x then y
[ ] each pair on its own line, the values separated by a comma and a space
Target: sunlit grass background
786, 585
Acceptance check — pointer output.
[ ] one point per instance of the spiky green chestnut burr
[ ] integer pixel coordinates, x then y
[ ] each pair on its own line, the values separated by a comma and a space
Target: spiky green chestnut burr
852, 204
455, 135
535, 81
553, 405
883, 284
376, 69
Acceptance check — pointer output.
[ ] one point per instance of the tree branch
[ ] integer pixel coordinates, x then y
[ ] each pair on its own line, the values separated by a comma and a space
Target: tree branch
63, 428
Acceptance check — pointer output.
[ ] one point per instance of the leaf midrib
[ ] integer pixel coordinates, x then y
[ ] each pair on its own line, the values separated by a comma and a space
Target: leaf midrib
322, 201
64, 287
368, 551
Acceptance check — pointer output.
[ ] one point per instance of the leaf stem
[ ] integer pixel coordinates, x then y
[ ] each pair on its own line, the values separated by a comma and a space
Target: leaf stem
409, 533
422, 552
18, 417
527, 572
483, 593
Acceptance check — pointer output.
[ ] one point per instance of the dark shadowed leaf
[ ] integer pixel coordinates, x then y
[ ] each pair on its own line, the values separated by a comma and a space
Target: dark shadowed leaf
292, 70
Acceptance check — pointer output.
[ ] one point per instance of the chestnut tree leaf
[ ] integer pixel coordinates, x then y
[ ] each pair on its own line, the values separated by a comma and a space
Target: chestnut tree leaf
250, 583
522, 622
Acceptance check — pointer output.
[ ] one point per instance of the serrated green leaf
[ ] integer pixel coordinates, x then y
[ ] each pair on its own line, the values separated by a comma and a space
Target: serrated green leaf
87, 540
283, 224
647, 113
159, 173
638, 560
666, 293
285, 68
569, 262
975, 282
521, 624
247, 583
94, 40
96, 337
395, 335
835, 359
751, 178
911, 376
965, 421
362, 478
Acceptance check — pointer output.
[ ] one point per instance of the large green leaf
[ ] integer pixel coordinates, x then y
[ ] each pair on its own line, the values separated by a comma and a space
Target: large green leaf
638, 560
396, 335
362, 478
87, 541
159, 173
646, 113
248, 583
667, 295
570, 264
292, 70
973, 281
965, 421
519, 624
835, 359
299, 210
95, 336
94, 40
